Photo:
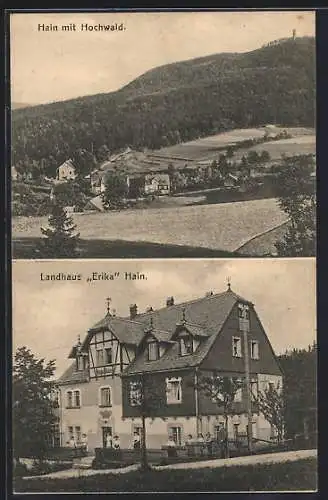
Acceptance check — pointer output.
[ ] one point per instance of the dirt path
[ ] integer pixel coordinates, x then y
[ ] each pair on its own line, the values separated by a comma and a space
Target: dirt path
285, 456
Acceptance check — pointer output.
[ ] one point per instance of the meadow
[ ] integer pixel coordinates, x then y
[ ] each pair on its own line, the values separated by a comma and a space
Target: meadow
223, 227
203, 148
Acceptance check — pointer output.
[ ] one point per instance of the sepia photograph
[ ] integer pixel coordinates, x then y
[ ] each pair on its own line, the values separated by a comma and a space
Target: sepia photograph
163, 134
164, 375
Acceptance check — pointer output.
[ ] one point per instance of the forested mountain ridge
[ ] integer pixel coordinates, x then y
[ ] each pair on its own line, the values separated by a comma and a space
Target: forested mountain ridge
173, 103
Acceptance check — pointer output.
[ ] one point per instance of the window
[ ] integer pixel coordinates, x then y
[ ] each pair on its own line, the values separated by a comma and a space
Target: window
81, 362
153, 351
236, 347
235, 430
254, 349
186, 346
271, 386
243, 311
77, 399
219, 432
135, 394
173, 390
71, 432
175, 434
100, 357
69, 401
108, 356
105, 396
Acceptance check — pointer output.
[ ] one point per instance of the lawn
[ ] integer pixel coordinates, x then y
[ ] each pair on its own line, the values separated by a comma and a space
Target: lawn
300, 475
217, 227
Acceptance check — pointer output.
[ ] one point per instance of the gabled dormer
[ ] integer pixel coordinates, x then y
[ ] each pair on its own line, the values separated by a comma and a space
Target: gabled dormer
80, 356
189, 336
155, 342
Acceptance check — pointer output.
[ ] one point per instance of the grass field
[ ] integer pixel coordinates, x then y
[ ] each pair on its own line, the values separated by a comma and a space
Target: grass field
300, 145
205, 147
222, 227
300, 475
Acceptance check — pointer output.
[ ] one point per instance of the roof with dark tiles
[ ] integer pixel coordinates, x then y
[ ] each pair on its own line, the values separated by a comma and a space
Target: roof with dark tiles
203, 317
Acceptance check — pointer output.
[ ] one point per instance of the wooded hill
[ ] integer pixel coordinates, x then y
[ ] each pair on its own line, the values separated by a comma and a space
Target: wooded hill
173, 103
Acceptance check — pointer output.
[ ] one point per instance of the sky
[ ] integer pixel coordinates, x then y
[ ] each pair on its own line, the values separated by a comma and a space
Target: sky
53, 65
48, 316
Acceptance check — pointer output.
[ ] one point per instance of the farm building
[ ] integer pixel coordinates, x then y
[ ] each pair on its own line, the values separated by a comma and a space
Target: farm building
66, 171
174, 347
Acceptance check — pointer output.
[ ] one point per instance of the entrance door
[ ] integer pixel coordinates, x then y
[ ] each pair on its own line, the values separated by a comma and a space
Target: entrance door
107, 437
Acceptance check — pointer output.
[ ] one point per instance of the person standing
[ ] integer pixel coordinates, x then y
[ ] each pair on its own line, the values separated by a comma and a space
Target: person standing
190, 446
84, 443
209, 444
109, 441
116, 443
201, 443
72, 445
221, 436
171, 447
136, 441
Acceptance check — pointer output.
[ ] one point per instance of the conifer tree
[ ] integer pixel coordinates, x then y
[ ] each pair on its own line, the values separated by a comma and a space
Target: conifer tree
60, 240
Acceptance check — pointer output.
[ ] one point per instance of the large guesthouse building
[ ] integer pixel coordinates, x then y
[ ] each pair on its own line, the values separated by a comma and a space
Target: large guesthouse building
175, 346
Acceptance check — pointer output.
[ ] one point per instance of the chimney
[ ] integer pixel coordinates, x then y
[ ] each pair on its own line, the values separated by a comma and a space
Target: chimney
209, 294
170, 301
133, 311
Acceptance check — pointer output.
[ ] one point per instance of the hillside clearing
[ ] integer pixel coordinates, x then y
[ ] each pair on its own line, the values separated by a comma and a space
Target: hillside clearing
203, 148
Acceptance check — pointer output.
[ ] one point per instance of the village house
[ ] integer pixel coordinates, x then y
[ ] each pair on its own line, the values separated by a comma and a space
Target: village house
157, 183
66, 171
176, 345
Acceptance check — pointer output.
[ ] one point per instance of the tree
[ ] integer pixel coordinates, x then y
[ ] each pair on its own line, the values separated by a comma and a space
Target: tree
253, 157
60, 237
244, 166
147, 399
223, 165
116, 190
222, 391
265, 156
295, 187
71, 193
300, 389
271, 404
33, 407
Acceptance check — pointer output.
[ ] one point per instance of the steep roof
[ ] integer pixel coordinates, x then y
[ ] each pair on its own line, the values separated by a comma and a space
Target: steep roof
72, 376
203, 317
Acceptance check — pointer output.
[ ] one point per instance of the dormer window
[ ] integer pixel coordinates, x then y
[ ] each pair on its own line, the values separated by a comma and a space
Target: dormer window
81, 362
153, 351
186, 345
